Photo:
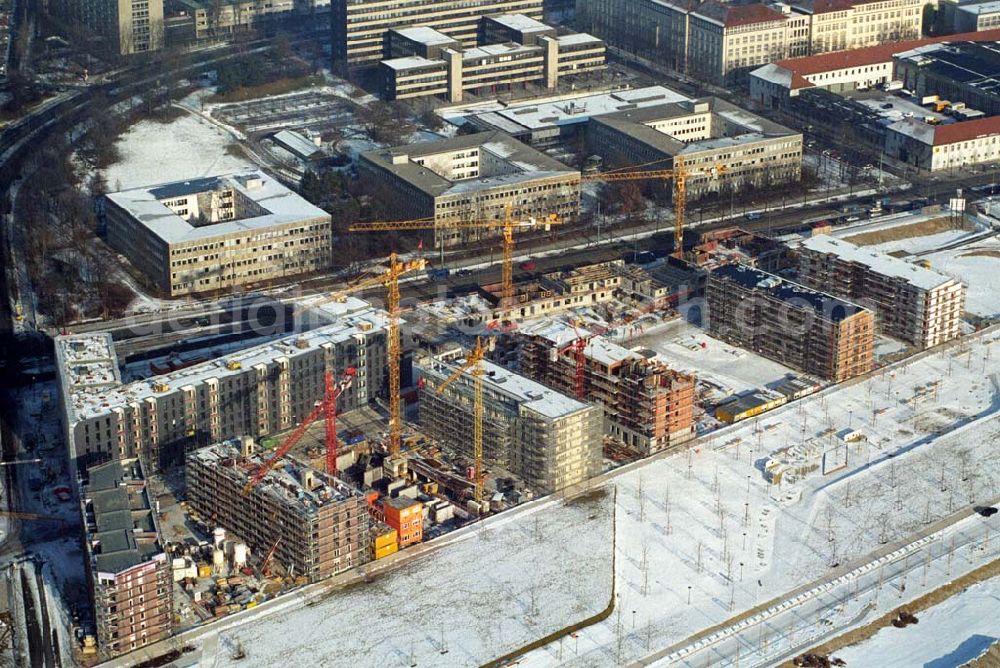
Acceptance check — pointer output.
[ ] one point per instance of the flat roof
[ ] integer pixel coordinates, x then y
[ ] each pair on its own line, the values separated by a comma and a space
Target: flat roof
499, 50
880, 263
741, 403
577, 38
579, 109
297, 143
520, 23
527, 163
119, 512
980, 8
500, 381
636, 123
800, 68
89, 399
413, 62
285, 482
598, 348
282, 205
424, 35
826, 305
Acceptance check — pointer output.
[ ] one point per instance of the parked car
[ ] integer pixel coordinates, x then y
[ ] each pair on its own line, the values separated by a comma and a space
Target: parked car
528, 265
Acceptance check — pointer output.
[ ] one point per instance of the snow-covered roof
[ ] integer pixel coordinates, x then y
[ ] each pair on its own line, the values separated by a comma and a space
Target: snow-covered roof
424, 35
89, 367
577, 38
578, 109
412, 63
523, 163
297, 143
498, 50
981, 8
639, 125
281, 206
880, 263
561, 334
520, 23
501, 382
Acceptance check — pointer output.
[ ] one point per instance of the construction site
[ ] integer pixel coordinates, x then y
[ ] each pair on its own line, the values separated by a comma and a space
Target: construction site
332, 454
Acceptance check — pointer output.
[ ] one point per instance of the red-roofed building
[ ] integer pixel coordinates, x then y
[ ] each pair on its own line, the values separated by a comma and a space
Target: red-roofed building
727, 39
771, 85
719, 42
940, 147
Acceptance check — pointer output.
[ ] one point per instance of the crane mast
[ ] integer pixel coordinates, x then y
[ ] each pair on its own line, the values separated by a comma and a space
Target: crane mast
472, 365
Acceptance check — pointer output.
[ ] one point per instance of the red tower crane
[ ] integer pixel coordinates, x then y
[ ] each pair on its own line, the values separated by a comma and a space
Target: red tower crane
327, 406
579, 346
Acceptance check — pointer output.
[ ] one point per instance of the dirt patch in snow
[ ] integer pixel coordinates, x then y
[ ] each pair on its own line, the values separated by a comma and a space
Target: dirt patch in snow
922, 229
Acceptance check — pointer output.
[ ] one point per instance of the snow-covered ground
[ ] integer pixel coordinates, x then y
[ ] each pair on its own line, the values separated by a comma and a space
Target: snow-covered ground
493, 589
757, 540
701, 535
978, 265
688, 348
186, 148
924, 244
948, 634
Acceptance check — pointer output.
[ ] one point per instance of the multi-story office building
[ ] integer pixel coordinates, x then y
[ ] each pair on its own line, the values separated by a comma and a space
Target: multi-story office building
912, 303
190, 20
718, 42
470, 178
808, 330
962, 17
316, 524
838, 25
544, 124
705, 134
547, 439
427, 65
647, 406
258, 391
126, 27
724, 40
218, 232
128, 572
359, 27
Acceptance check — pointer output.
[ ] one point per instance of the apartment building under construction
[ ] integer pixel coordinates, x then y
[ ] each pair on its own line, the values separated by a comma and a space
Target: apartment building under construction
312, 524
260, 391
128, 572
360, 27
803, 328
547, 439
912, 303
559, 291
647, 405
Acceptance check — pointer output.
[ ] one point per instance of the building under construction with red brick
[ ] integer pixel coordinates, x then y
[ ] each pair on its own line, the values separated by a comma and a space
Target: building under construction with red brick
647, 405
312, 524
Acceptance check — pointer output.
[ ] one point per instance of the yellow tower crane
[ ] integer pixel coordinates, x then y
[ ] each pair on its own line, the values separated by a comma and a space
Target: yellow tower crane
679, 174
472, 361
507, 225
389, 279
